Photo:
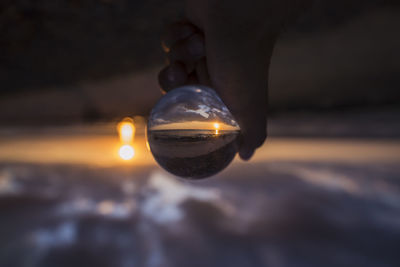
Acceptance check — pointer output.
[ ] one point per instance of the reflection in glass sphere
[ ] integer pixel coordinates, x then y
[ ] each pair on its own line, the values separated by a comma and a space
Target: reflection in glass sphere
191, 132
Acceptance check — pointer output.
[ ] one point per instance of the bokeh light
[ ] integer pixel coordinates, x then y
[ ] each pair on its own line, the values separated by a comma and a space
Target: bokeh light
126, 152
126, 130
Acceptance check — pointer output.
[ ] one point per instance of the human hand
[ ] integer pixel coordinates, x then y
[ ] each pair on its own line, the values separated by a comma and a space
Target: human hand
228, 47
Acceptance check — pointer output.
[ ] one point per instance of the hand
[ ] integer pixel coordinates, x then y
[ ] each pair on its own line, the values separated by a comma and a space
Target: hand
227, 45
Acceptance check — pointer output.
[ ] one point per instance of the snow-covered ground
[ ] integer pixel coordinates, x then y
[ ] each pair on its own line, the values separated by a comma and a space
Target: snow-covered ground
275, 214
300, 202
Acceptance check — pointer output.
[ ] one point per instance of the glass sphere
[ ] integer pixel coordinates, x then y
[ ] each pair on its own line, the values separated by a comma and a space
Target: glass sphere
191, 132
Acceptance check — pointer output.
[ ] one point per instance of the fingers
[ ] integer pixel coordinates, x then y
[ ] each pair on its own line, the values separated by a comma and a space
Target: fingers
188, 51
236, 67
185, 49
239, 73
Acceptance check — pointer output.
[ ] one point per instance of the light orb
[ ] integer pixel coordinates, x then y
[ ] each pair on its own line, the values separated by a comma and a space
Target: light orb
126, 152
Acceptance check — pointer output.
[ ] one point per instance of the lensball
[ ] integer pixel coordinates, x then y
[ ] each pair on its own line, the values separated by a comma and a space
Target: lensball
191, 132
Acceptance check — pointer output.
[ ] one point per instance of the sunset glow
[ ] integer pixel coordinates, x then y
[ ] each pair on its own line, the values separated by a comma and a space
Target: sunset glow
195, 125
216, 126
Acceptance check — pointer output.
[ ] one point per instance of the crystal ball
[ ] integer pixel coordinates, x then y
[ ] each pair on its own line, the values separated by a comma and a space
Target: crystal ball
191, 132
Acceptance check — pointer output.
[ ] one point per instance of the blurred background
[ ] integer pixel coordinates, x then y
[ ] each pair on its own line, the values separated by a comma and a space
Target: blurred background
78, 186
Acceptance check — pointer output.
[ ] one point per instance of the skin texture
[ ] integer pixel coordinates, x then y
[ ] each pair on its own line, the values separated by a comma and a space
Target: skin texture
228, 45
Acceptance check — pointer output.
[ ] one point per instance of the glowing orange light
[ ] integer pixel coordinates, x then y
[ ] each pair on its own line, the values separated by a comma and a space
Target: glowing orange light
126, 130
126, 152
216, 126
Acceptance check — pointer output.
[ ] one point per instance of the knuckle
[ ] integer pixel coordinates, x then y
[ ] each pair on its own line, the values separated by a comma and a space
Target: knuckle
190, 50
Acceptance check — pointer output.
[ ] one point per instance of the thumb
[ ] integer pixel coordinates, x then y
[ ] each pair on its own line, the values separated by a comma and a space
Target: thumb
238, 66
253, 133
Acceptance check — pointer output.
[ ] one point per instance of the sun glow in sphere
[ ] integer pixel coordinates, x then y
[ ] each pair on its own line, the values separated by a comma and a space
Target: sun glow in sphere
126, 152
191, 132
216, 126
